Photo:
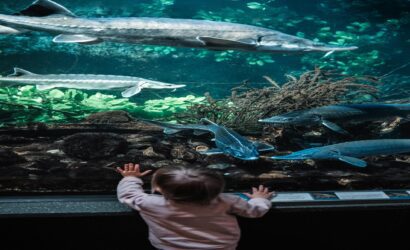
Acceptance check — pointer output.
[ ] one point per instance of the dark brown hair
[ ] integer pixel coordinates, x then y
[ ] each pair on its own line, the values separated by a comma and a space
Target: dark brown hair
194, 185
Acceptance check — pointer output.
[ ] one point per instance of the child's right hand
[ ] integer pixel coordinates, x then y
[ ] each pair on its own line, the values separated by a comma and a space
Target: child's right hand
261, 192
132, 170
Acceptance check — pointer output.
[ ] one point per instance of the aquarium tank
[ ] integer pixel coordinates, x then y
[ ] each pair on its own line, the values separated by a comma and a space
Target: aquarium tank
295, 95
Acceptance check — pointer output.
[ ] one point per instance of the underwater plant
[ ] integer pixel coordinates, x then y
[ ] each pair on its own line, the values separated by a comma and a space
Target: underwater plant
27, 104
314, 88
170, 106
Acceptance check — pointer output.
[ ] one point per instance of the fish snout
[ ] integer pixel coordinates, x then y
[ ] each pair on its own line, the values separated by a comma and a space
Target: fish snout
274, 119
249, 158
263, 120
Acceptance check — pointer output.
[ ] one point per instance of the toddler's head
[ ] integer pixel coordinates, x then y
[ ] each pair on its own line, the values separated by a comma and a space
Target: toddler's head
182, 184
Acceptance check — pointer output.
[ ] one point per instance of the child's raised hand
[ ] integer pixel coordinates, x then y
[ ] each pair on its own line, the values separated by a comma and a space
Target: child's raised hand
132, 170
261, 192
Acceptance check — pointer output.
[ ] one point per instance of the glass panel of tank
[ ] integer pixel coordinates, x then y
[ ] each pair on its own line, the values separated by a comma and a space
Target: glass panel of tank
295, 95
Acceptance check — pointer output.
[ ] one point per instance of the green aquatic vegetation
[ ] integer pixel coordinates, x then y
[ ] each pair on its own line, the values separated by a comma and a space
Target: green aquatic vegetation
169, 106
365, 60
256, 6
272, 17
358, 26
156, 8
225, 15
225, 56
259, 60
347, 64
27, 104
159, 50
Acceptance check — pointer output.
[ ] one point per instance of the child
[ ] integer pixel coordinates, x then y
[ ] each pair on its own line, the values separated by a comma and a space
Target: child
192, 212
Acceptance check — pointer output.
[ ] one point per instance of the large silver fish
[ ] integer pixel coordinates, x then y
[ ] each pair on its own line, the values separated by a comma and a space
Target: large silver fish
132, 85
226, 140
350, 151
48, 16
329, 115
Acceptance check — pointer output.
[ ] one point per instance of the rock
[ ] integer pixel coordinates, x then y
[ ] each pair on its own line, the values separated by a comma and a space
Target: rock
220, 166
32, 147
87, 146
183, 153
161, 164
13, 172
134, 155
139, 141
149, 152
9, 157
163, 147
109, 117
404, 129
138, 138
274, 175
201, 148
55, 152
9, 139
39, 126
40, 161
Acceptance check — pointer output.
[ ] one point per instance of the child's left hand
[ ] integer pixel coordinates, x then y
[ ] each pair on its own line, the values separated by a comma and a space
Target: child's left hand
132, 170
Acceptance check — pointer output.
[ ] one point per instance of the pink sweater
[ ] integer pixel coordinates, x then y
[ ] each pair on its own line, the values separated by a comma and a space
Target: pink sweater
176, 226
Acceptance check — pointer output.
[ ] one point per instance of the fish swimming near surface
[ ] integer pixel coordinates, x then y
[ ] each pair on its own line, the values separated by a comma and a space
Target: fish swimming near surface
226, 140
51, 17
328, 116
350, 152
132, 85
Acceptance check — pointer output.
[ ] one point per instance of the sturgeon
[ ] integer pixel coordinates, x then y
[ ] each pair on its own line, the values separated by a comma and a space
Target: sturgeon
350, 152
51, 17
132, 85
328, 116
226, 140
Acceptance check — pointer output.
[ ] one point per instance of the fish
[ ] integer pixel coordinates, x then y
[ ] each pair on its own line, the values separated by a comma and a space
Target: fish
328, 116
226, 140
51, 17
350, 152
132, 85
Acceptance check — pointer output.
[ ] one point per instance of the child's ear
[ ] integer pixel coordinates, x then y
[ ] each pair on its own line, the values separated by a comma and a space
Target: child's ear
156, 190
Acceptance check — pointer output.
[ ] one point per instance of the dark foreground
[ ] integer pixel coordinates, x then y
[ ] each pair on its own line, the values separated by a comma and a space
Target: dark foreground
350, 230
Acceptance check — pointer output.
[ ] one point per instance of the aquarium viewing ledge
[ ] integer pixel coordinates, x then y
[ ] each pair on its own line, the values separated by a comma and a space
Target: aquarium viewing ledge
108, 205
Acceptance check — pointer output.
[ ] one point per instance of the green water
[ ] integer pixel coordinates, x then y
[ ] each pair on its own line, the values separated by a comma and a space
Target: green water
379, 28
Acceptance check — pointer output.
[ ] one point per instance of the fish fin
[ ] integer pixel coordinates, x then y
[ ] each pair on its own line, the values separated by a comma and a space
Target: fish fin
328, 54
208, 122
218, 42
214, 151
20, 72
170, 131
4, 30
45, 87
263, 147
131, 91
76, 38
42, 8
353, 161
334, 127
